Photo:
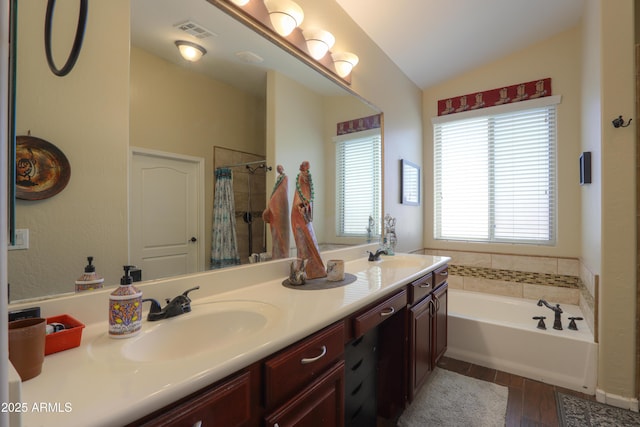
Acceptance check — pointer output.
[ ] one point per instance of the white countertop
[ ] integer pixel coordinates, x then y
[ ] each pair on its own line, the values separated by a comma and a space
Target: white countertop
92, 385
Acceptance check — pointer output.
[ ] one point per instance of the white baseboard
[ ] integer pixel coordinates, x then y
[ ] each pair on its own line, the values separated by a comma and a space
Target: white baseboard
617, 401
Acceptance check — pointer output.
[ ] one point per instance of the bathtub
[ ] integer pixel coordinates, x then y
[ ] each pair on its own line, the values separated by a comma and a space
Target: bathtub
499, 332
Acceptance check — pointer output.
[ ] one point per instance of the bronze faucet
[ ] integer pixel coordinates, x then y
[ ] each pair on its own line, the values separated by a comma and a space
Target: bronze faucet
557, 324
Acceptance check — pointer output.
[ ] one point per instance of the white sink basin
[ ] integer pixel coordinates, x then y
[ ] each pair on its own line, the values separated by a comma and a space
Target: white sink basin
207, 328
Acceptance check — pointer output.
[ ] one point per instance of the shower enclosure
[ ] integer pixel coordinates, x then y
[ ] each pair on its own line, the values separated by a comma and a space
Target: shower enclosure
249, 190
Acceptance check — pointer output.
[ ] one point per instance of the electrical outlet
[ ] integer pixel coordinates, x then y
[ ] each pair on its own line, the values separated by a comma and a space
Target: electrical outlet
25, 313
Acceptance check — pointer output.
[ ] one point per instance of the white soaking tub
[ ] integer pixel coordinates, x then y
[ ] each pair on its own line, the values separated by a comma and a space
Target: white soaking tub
499, 332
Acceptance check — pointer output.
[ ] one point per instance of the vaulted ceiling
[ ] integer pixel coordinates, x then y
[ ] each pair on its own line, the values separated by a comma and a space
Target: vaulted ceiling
433, 40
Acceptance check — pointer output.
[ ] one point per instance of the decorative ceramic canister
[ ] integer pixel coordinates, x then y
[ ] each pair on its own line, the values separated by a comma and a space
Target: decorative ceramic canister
335, 270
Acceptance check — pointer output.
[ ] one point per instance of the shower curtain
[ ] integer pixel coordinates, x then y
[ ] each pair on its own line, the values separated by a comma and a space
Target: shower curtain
224, 249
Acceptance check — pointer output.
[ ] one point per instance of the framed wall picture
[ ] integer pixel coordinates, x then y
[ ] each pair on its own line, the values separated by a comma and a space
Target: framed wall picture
410, 183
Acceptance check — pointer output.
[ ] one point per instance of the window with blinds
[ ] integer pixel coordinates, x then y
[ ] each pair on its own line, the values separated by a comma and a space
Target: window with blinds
495, 177
358, 181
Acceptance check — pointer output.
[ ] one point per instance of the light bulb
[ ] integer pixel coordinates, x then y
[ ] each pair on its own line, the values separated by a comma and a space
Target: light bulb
344, 62
318, 42
285, 15
190, 51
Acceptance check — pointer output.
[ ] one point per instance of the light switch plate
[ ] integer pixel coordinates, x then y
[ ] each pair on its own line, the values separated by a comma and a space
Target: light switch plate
22, 239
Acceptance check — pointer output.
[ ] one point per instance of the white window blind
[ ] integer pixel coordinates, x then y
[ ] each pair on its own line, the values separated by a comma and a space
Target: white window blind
495, 177
359, 163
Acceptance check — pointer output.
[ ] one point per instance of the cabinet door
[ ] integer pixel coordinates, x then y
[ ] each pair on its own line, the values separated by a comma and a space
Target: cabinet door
227, 404
420, 345
320, 404
440, 299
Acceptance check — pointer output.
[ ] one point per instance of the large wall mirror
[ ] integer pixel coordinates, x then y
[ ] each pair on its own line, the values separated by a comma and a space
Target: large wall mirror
131, 98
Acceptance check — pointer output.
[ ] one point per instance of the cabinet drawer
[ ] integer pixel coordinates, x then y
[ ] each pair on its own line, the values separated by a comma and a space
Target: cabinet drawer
321, 403
440, 276
298, 365
378, 314
420, 288
226, 404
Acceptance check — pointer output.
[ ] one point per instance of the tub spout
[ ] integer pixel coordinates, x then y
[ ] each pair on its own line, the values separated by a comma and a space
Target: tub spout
557, 323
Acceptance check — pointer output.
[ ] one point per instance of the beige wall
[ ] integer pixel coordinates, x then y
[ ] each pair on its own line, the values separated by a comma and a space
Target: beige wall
591, 135
338, 109
398, 98
609, 207
559, 59
378, 79
302, 125
297, 116
592, 67
107, 103
175, 109
89, 122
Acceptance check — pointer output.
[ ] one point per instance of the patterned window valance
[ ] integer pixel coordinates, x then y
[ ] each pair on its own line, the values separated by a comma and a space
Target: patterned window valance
358, 125
489, 98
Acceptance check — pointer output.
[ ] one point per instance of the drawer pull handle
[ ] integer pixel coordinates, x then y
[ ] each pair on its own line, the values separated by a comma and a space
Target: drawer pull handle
307, 360
425, 286
444, 273
357, 389
388, 313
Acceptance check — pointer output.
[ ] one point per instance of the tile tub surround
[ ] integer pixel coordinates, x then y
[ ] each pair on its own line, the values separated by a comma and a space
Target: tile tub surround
553, 287
558, 280
94, 382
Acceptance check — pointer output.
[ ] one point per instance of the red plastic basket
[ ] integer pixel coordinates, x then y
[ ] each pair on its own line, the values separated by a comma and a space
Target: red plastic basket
69, 337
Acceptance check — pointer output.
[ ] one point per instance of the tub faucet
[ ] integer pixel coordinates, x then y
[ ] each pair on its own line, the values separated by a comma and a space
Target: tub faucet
557, 324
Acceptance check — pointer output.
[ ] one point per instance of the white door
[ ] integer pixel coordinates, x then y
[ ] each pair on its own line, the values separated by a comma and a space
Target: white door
166, 213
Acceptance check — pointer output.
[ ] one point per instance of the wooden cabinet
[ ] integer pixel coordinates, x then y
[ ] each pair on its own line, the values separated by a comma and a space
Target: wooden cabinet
440, 300
427, 329
420, 344
226, 404
304, 384
318, 405
290, 370
387, 319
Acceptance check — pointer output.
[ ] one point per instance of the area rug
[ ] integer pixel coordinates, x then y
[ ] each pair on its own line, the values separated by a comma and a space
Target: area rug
574, 411
449, 399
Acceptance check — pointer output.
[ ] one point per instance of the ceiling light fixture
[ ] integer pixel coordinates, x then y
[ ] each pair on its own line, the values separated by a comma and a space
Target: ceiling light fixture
318, 42
240, 2
285, 15
190, 51
344, 62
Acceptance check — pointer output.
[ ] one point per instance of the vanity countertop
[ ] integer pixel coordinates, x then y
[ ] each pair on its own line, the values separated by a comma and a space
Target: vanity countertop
92, 385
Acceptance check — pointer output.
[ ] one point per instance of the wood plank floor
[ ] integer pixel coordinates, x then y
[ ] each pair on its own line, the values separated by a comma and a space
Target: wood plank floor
530, 403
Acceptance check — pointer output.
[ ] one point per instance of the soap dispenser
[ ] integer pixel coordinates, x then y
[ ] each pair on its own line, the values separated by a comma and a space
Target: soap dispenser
89, 279
125, 308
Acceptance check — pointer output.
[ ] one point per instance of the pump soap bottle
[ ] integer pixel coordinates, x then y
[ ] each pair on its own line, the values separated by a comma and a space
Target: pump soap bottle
125, 308
89, 279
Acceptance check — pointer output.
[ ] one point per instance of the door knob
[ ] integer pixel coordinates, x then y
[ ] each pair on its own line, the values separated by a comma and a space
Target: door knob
193, 240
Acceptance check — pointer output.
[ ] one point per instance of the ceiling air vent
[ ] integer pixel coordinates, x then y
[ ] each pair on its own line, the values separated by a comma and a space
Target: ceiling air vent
195, 30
